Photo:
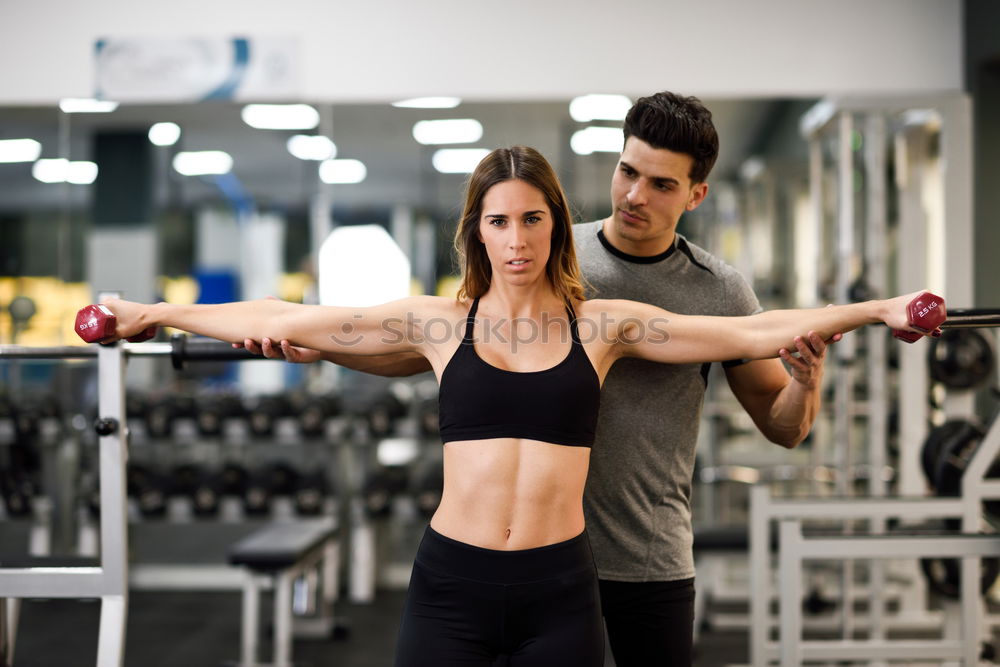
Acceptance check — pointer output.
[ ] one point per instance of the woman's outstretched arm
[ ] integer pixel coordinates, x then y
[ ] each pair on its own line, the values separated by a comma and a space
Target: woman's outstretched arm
390, 327
652, 333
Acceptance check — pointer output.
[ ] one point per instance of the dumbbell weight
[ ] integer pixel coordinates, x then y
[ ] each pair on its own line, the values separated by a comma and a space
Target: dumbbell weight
199, 485
310, 491
207, 495
96, 322
428, 492
234, 479
263, 412
17, 494
925, 313
428, 417
273, 479
148, 488
380, 488
257, 494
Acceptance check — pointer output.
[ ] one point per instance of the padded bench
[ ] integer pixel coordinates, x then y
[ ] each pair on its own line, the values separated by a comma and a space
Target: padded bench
294, 555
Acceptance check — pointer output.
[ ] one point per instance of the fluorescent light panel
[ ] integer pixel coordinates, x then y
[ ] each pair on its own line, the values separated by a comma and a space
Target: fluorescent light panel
164, 134
86, 105
597, 139
342, 171
586, 108
449, 131
428, 103
19, 150
203, 163
458, 160
312, 147
61, 170
280, 116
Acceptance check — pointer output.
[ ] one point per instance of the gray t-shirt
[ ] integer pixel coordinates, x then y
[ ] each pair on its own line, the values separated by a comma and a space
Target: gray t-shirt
638, 495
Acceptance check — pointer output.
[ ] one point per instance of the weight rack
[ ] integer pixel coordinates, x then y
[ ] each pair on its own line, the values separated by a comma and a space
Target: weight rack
107, 578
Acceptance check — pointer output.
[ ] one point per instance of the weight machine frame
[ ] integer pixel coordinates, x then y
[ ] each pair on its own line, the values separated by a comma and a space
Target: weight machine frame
108, 579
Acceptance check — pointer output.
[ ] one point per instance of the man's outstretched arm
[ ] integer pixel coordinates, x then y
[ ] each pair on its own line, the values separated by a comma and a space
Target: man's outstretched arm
399, 364
782, 405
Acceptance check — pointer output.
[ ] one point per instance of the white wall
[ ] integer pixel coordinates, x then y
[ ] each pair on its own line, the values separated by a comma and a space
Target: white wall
379, 50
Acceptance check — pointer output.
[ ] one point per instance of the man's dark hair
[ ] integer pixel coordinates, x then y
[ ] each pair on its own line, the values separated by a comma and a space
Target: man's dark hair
678, 124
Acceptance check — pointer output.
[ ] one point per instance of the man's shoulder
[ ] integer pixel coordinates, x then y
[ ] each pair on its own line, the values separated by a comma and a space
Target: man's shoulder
585, 233
705, 260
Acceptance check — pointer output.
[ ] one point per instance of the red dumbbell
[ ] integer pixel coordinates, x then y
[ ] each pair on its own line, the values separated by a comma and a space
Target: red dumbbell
925, 313
96, 322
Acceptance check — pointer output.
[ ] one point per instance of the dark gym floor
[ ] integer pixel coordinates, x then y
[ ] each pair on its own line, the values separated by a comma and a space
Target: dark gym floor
202, 628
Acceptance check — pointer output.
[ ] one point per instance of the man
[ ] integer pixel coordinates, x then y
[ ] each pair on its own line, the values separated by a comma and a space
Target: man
637, 499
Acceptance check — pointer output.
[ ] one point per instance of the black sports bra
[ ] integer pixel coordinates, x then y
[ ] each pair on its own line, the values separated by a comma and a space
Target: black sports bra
556, 405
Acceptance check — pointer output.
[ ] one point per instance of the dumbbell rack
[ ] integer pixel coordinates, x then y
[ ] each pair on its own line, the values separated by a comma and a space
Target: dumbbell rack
107, 579
794, 548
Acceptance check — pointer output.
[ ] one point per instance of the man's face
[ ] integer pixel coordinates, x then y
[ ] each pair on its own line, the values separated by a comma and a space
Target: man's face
650, 190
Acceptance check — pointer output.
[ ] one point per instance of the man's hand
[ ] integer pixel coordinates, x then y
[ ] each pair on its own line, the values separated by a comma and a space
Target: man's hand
283, 350
807, 366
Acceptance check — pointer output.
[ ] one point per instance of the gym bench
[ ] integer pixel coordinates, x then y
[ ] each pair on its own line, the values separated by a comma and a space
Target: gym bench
293, 555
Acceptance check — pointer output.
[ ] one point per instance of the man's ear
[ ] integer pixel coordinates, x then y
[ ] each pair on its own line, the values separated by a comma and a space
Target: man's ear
698, 193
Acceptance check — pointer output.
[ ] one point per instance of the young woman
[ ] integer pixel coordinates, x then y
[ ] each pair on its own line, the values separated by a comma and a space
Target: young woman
505, 568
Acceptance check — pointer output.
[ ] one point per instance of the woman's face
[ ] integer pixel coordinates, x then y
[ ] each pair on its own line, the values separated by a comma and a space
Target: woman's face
516, 228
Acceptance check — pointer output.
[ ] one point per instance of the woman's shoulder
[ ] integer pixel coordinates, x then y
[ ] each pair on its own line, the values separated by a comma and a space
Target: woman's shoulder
438, 305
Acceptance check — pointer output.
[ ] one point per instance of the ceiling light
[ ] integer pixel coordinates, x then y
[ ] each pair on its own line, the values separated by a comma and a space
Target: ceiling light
458, 160
19, 150
82, 172
597, 139
342, 171
164, 134
428, 103
450, 131
61, 170
82, 105
203, 163
586, 108
50, 171
312, 147
280, 116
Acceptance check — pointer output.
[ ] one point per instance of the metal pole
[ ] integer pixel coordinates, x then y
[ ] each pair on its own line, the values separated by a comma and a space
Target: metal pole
790, 611
114, 542
876, 339
845, 350
760, 573
819, 441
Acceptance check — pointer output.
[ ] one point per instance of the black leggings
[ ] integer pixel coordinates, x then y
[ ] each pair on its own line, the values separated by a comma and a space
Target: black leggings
471, 606
651, 623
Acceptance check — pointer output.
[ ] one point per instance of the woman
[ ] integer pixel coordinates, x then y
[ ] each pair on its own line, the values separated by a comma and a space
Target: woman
505, 567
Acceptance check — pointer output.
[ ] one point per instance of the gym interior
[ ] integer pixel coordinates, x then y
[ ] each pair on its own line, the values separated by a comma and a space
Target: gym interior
182, 502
